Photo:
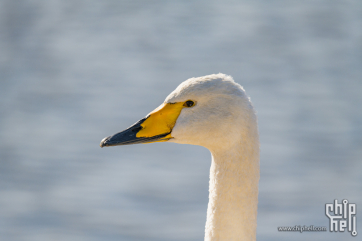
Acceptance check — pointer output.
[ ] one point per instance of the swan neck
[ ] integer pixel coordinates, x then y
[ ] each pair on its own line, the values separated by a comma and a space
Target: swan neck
233, 193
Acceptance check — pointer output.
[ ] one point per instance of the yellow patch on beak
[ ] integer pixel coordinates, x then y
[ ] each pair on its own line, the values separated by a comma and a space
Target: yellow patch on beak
161, 121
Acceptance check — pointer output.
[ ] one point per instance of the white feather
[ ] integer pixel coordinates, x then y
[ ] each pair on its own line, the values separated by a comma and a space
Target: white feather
224, 121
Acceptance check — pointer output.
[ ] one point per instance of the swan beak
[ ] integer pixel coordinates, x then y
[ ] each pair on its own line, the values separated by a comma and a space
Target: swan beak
156, 127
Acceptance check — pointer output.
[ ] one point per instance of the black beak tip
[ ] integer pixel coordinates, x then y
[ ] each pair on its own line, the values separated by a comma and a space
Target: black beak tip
129, 136
104, 142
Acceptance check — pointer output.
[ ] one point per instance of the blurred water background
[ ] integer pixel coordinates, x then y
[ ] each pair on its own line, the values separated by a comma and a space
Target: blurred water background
73, 72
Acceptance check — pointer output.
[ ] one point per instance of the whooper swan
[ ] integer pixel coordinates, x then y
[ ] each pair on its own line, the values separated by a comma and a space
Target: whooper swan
211, 111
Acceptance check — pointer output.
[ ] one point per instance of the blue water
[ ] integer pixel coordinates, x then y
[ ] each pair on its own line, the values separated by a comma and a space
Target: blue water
74, 72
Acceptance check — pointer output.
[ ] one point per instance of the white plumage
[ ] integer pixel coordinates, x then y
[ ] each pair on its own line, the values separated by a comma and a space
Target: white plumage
211, 111
224, 121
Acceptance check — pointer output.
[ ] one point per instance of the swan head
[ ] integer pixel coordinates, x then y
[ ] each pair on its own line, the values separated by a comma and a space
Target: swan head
209, 111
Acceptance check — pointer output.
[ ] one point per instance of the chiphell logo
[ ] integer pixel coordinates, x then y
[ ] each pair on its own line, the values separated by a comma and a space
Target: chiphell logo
342, 216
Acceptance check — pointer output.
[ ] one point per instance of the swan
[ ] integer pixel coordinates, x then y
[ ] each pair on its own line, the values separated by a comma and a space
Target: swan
211, 111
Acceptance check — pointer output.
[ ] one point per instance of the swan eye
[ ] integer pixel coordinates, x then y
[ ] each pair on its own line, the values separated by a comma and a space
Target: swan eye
189, 103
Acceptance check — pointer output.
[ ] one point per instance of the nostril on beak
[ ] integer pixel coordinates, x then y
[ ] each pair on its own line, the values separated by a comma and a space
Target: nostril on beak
137, 129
